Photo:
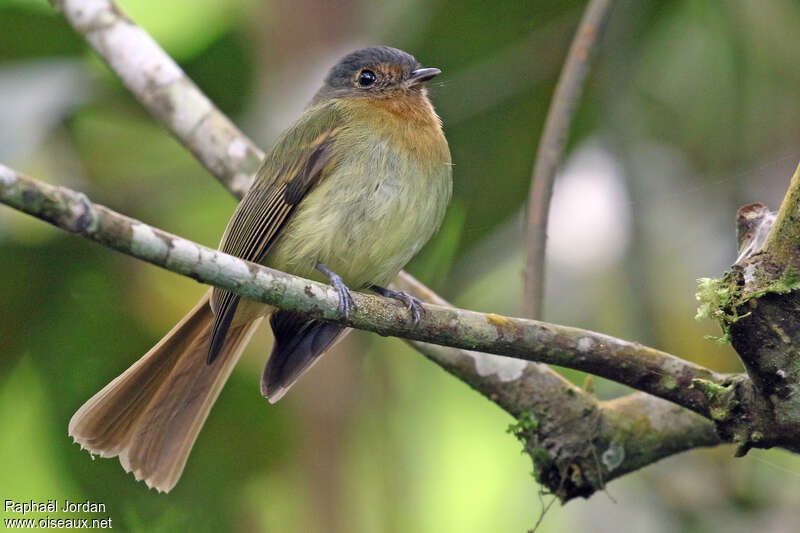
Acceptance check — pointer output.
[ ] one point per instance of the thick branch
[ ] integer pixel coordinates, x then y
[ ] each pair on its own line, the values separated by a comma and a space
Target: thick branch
759, 310
646, 429
783, 241
551, 147
630, 363
577, 443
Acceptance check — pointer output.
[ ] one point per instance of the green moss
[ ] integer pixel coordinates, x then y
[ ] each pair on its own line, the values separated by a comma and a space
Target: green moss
713, 296
524, 429
525, 426
721, 398
719, 414
719, 300
709, 388
541, 460
788, 282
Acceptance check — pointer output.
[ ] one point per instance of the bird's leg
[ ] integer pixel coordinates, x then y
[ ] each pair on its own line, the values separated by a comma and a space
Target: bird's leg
414, 305
345, 298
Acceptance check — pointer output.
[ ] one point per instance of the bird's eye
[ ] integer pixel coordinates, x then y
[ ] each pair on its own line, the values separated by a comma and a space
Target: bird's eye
366, 78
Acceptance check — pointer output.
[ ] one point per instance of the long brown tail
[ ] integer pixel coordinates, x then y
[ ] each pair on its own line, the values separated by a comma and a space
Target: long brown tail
151, 414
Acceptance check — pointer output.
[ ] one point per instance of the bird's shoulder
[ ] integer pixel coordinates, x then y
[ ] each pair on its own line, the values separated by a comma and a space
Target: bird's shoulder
311, 139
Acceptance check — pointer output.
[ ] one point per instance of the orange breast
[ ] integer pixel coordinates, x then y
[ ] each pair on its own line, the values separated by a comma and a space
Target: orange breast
410, 120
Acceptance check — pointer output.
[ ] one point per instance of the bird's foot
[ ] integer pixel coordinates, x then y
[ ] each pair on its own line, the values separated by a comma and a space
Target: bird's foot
346, 303
414, 305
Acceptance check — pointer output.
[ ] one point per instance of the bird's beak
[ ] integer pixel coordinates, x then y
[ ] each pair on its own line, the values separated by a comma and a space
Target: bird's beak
421, 75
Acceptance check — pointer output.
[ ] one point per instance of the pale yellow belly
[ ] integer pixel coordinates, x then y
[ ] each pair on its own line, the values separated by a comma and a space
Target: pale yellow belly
363, 227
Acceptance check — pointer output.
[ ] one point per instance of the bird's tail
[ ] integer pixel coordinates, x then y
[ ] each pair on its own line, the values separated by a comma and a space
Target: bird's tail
299, 343
151, 414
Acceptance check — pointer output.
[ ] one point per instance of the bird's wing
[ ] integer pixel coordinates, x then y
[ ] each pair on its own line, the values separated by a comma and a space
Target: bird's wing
268, 205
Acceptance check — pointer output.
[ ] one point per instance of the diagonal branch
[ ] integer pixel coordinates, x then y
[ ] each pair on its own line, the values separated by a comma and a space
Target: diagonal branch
577, 443
570, 424
166, 92
641, 367
551, 147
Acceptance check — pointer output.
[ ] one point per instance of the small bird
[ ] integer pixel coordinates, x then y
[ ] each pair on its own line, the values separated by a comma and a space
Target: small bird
347, 195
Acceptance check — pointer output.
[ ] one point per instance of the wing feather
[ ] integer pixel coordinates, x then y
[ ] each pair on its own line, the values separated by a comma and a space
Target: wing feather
262, 213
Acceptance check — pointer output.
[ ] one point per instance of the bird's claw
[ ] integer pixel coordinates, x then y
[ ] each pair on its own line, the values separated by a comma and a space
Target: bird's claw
412, 303
346, 303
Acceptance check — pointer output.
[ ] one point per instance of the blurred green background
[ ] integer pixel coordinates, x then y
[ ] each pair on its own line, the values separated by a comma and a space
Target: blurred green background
692, 110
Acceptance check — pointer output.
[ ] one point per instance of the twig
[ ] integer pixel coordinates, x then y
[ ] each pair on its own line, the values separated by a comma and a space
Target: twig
551, 147
542, 512
641, 367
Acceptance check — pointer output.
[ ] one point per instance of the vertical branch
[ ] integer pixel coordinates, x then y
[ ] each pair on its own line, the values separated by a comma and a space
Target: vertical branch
782, 241
551, 147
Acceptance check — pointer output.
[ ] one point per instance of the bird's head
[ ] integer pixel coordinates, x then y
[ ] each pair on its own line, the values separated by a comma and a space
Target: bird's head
376, 72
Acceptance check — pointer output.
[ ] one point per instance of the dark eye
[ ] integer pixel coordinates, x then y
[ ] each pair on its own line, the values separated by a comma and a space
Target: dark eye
366, 78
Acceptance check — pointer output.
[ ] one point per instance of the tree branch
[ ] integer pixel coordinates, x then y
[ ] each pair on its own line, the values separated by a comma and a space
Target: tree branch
577, 444
551, 147
783, 240
166, 92
758, 309
570, 426
641, 367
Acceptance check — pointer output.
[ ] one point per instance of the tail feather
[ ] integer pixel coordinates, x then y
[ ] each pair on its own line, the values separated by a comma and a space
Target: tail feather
151, 414
299, 343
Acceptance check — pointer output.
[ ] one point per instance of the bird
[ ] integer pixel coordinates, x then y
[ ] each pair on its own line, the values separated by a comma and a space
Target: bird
347, 195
